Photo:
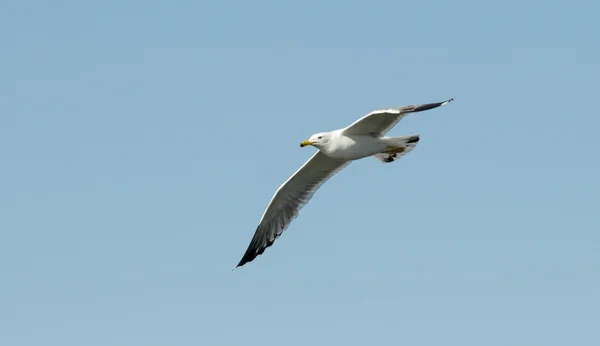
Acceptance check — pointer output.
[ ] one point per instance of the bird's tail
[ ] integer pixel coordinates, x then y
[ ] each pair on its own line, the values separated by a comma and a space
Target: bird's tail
397, 147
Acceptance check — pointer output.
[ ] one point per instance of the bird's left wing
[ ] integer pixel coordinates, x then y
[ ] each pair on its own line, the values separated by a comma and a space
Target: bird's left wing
289, 199
379, 122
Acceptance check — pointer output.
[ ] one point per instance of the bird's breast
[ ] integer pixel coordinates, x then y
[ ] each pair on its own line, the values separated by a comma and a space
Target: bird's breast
353, 147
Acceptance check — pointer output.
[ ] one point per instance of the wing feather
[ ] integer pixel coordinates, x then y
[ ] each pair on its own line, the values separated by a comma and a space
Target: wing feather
380, 121
289, 198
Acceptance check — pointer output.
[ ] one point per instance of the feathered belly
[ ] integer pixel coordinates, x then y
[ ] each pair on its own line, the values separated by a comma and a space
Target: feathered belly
355, 147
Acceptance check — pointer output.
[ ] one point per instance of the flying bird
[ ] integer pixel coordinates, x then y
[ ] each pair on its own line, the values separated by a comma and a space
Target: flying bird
337, 149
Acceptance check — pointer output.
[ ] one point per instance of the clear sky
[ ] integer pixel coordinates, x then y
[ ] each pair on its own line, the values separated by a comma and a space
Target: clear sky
141, 141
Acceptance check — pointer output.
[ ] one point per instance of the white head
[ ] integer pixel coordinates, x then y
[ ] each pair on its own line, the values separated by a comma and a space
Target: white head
318, 140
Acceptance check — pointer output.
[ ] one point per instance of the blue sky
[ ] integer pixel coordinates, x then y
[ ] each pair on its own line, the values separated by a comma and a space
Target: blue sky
142, 140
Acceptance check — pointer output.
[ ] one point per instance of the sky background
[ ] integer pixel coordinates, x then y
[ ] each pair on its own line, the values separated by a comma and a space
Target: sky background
140, 142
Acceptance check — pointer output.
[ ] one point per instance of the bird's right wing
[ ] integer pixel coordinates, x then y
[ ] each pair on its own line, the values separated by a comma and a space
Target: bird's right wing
380, 121
289, 199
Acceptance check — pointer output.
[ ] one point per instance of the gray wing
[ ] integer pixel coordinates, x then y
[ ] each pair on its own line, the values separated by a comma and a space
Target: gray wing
289, 199
379, 122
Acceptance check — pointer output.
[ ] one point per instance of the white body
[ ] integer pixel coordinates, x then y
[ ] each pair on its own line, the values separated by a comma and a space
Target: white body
355, 147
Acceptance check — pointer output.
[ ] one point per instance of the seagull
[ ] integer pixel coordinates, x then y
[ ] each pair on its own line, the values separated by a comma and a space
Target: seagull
337, 149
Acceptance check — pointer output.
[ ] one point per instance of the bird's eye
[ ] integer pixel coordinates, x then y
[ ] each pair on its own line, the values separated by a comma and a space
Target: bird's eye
320, 137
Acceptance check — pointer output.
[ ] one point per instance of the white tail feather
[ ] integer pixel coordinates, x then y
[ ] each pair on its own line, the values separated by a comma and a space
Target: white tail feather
399, 146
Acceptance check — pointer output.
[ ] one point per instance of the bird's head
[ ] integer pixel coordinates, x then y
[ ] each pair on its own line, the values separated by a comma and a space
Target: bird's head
318, 140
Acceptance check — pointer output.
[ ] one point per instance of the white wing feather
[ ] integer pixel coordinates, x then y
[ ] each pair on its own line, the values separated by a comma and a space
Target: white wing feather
289, 199
379, 122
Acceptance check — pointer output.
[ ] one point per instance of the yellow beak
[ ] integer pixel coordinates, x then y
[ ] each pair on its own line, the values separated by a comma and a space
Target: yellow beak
305, 143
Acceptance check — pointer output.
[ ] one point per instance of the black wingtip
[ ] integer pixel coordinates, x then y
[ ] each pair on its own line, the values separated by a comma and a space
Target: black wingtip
428, 106
415, 139
256, 247
245, 260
